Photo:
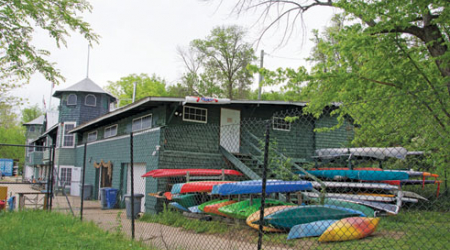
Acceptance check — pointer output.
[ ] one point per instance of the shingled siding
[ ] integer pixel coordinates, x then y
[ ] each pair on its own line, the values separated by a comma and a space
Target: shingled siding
65, 156
338, 138
81, 113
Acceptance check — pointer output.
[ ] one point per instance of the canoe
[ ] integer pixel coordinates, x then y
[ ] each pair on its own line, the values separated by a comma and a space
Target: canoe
350, 229
346, 209
187, 200
243, 209
365, 197
346, 168
289, 217
195, 210
365, 175
161, 173
200, 186
255, 187
214, 208
312, 229
256, 216
367, 211
355, 185
178, 207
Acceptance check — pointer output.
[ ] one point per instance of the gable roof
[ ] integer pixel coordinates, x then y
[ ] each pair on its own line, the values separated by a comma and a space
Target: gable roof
38, 121
85, 85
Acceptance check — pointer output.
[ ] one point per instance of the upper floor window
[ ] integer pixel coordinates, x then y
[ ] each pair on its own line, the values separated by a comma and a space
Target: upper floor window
90, 100
68, 138
72, 99
279, 123
110, 131
92, 136
31, 128
194, 114
142, 123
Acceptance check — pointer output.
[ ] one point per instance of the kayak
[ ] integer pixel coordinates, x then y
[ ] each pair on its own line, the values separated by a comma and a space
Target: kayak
187, 200
346, 209
389, 208
289, 217
243, 209
200, 186
178, 207
311, 229
256, 216
365, 197
255, 187
214, 208
355, 185
365, 175
160, 173
350, 229
203, 205
194, 210
367, 211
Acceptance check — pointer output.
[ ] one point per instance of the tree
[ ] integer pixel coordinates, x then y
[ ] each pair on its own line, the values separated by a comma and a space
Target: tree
217, 65
145, 86
388, 83
19, 57
31, 113
11, 132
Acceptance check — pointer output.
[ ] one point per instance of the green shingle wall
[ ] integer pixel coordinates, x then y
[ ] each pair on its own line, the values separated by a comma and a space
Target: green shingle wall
337, 138
81, 113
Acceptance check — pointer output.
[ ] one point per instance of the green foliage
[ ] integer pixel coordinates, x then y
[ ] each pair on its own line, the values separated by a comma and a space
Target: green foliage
31, 113
145, 86
222, 59
11, 132
35, 229
20, 58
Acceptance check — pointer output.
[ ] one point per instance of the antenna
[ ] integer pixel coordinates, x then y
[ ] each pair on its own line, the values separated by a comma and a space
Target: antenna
87, 71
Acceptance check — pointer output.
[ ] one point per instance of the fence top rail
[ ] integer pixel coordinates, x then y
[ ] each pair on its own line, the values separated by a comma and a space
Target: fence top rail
25, 146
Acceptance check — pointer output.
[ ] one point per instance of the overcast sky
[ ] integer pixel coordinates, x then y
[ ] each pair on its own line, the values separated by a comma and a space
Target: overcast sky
141, 36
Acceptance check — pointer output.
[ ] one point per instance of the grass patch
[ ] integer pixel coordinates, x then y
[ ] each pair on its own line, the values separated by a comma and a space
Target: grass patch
176, 219
37, 229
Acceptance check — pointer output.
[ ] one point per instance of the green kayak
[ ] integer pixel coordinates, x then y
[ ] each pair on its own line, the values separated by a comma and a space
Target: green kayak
289, 217
187, 200
243, 209
369, 212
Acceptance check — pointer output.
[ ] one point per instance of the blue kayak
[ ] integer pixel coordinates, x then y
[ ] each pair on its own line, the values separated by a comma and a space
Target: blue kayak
255, 187
365, 175
178, 207
311, 229
176, 188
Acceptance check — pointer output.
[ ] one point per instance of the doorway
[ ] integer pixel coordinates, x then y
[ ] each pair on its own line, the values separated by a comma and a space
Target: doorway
230, 129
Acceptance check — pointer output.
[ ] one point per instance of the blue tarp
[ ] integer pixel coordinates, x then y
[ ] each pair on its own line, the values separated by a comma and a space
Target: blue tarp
255, 187
6, 167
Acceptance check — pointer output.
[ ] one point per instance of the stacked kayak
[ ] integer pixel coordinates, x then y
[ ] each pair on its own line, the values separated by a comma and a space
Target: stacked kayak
161, 173
255, 187
243, 209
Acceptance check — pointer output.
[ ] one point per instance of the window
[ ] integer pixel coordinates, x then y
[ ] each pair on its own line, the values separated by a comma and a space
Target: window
90, 100
279, 123
194, 114
110, 131
92, 136
68, 138
66, 176
31, 128
142, 123
72, 99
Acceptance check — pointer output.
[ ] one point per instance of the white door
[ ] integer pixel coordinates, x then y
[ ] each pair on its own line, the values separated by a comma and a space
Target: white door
75, 184
139, 182
230, 129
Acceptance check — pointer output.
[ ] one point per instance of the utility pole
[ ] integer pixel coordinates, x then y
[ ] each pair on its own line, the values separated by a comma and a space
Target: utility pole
260, 75
134, 91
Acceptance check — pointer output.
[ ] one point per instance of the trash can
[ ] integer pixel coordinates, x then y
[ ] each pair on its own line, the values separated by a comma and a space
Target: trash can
87, 195
137, 204
111, 197
12, 203
103, 198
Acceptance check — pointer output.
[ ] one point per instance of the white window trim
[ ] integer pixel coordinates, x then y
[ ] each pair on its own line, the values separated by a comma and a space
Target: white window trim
140, 118
76, 99
117, 128
90, 133
64, 134
280, 129
190, 120
95, 100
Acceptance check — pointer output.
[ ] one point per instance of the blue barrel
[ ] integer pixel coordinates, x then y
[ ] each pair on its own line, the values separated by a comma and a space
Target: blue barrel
111, 197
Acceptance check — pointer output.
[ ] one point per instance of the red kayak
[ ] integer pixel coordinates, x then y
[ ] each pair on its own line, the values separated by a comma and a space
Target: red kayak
344, 168
200, 186
160, 173
214, 208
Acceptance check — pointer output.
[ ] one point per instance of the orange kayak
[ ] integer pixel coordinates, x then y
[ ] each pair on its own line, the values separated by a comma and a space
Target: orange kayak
214, 208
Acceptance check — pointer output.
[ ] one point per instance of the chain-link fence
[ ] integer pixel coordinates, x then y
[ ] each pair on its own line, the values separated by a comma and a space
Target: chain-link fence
339, 180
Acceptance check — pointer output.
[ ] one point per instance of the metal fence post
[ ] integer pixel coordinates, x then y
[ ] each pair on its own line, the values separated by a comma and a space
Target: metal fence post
49, 187
82, 182
53, 151
132, 185
264, 180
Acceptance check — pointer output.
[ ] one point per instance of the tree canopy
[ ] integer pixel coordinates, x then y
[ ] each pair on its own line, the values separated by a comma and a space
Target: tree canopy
217, 65
19, 58
145, 86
